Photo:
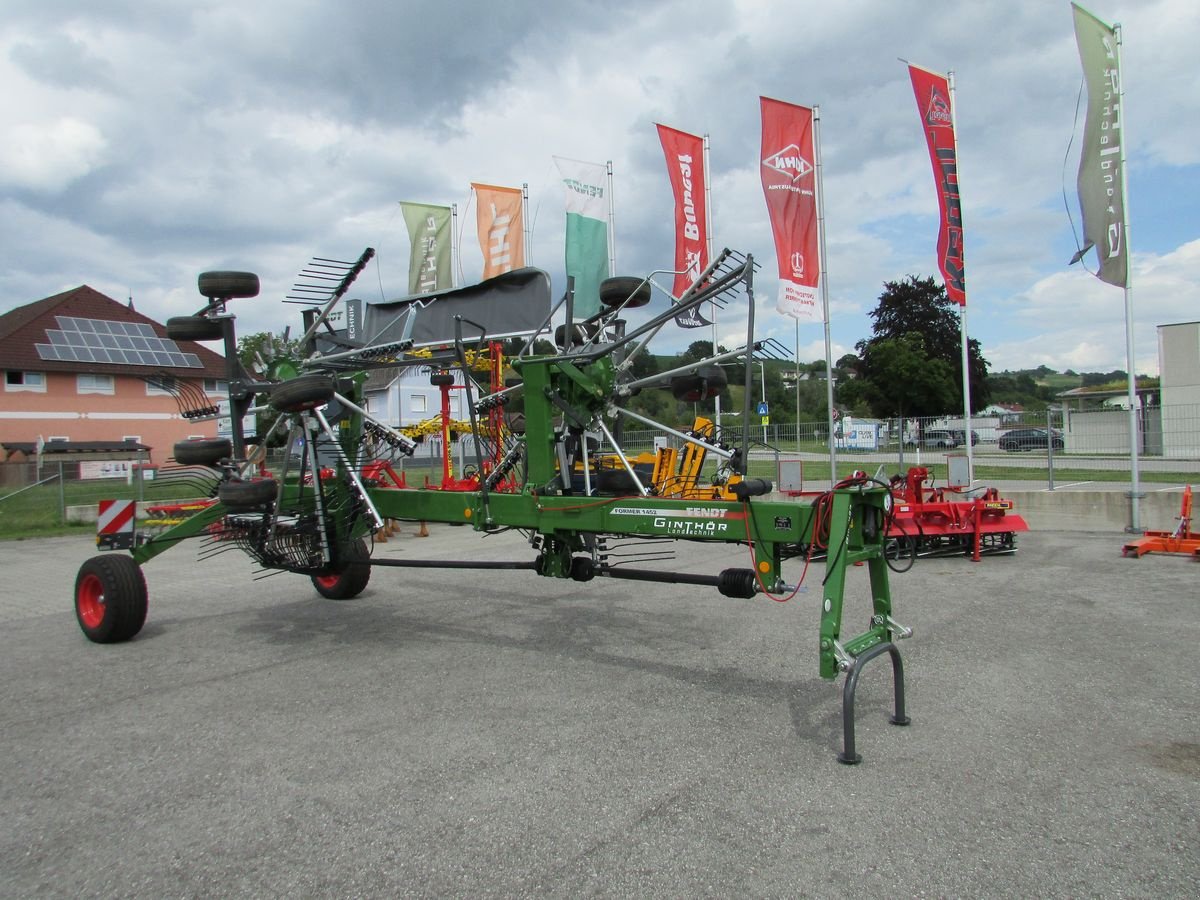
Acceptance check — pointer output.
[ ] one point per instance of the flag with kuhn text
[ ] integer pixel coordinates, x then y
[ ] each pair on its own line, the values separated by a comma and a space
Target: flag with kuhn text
685, 166
1100, 181
429, 257
501, 230
587, 199
790, 186
937, 118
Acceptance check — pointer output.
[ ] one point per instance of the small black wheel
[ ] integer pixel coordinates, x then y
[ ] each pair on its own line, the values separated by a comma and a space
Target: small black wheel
194, 328
615, 291
247, 495
227, 285
203, 451
110, 598
581, 333
438, 379
614, 481
348, 577
305, 392
707, 383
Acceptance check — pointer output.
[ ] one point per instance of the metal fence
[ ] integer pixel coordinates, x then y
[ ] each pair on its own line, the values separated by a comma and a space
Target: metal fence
1048, 447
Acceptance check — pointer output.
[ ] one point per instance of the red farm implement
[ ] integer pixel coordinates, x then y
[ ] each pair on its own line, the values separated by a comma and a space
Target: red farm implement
941, 521
1181, 540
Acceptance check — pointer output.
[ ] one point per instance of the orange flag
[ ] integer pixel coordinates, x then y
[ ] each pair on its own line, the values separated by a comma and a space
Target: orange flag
501, 231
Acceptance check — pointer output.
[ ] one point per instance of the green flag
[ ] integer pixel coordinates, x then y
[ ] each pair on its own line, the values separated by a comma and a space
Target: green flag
1100, 181
429, 234
588, 206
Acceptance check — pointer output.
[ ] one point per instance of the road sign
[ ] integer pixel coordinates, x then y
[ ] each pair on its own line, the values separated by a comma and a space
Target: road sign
766, 420
762, 407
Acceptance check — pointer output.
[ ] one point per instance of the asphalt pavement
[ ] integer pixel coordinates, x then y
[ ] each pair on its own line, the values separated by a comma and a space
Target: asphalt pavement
471, 734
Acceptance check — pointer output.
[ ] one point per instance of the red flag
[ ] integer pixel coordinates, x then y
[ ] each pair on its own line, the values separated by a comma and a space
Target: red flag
937, 117
685, 165
790, 187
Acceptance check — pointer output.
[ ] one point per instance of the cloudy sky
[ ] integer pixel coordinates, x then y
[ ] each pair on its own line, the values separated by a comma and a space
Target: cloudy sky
147, 141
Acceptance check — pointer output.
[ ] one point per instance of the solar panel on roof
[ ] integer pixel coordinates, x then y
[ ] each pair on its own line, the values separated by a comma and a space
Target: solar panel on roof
108, 341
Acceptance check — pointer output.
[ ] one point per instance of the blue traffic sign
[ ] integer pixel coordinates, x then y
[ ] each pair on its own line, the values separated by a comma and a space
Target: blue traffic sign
762, 408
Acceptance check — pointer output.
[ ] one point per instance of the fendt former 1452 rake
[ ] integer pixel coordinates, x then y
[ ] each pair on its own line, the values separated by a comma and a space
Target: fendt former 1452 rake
561, 476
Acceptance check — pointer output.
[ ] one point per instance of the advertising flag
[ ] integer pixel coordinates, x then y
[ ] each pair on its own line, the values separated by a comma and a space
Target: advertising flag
790, 187
501, 231
685, 166
1100, 182
587, 230
429, 258
937, 118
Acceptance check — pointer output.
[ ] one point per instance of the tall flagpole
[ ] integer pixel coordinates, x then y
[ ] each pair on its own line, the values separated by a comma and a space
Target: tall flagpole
966, 355
708, 242
455, 250
1134, 481
612, 225
819, 198
525, 223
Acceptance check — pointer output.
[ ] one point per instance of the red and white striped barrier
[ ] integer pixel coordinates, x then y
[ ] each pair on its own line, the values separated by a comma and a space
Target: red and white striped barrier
114, 524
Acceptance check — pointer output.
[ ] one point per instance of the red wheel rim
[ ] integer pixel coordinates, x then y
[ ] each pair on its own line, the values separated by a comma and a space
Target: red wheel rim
89, 601
329, 582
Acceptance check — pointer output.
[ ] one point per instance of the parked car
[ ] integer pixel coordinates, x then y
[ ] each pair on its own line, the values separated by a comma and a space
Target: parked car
961, 436
936, 440
1029, 439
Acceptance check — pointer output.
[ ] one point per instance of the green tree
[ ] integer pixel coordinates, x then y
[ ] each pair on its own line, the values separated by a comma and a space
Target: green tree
912, 363
904, 380
256, 351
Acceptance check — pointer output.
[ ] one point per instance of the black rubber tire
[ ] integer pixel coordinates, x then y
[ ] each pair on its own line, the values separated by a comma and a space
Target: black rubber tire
247, 495
704, 385
614, 481
305, 392
227, 285
614, 291
437, 379
110, 598
580, 334
194, 328
348, 577
203, 451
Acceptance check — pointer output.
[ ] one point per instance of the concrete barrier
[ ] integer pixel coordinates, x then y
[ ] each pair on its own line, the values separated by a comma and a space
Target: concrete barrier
1095, 510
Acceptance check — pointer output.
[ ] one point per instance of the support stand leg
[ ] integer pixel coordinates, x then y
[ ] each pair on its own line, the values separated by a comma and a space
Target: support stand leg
848, 756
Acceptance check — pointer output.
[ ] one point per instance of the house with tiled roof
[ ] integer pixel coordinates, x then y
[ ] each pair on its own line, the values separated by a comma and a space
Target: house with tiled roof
82, 367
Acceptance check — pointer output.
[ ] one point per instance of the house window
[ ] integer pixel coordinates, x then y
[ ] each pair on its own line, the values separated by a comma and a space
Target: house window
216, 386
87, 383
25, 381
158, 386
132, 438
419, 403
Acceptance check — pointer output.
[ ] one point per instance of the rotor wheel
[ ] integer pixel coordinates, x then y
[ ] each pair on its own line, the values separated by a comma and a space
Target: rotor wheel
616, 290
194, 328
705, 384
227, 285
348, 577
256, 493
303, 393
203, 451
110, 598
